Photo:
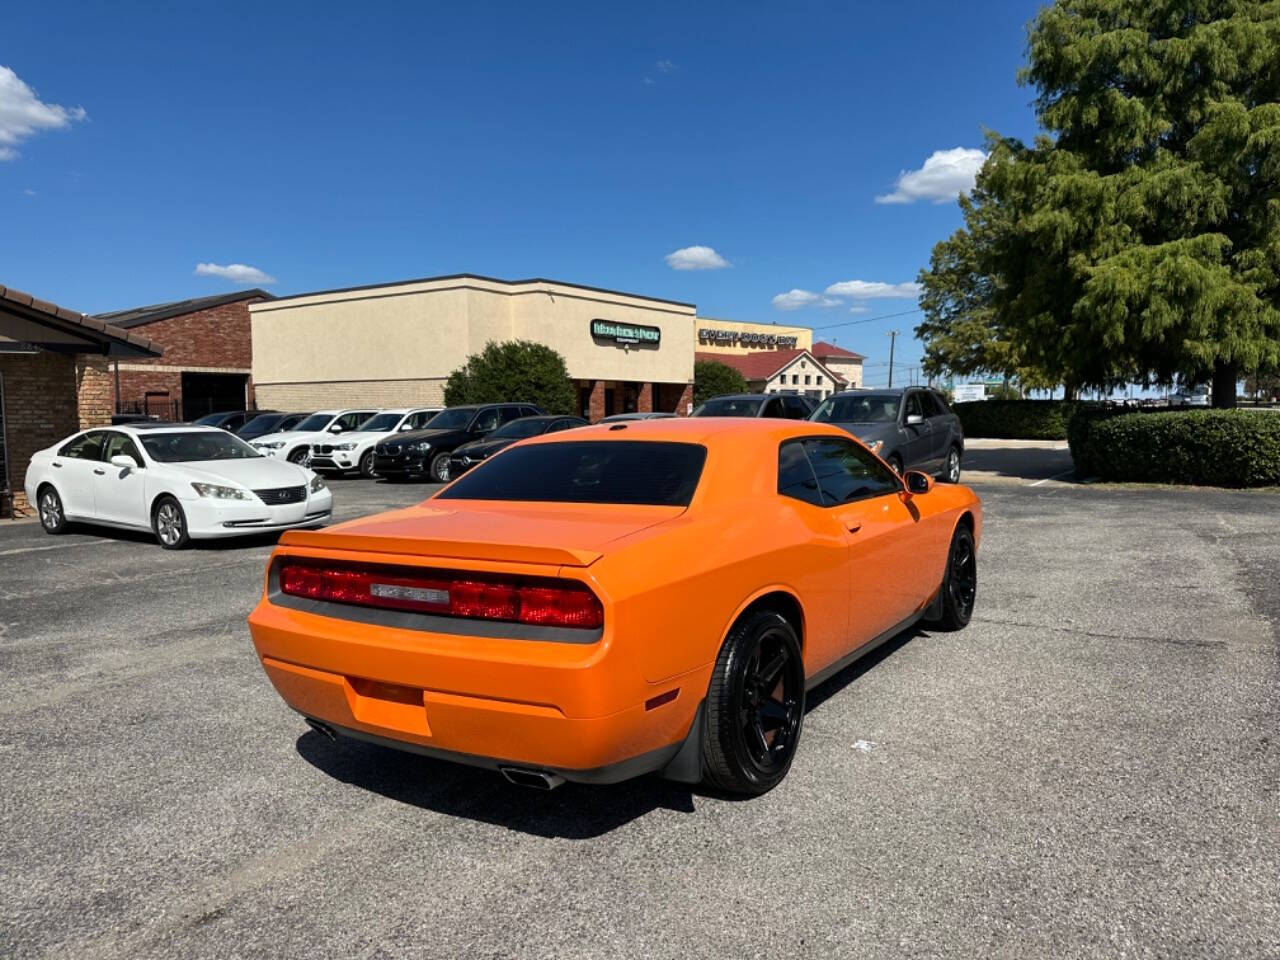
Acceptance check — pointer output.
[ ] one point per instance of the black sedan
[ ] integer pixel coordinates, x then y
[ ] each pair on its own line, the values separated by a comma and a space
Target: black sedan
469, 454
426, 452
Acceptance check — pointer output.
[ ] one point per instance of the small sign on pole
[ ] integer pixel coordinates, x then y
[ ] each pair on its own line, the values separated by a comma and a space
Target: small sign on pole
968, 392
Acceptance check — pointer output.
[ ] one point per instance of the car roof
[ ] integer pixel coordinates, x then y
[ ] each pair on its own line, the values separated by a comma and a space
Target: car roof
169, 427
737, 396
704, 430
478, 406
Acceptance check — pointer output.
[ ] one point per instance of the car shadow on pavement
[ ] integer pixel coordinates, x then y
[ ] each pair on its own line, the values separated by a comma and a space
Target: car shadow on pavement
572, 811
145, 537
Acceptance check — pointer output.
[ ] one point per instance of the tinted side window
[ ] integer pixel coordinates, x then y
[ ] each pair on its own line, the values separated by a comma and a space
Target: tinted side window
914, 409
119, 444
419, 420
88, 447
795, 476
796, 408
846, 472
507, 414
529, 412
773, 408
930, 403
940, 404
486, 420
350, 421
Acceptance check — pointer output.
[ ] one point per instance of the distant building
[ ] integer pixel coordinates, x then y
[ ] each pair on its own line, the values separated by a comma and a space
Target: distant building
781, 371
207, 362
838, 360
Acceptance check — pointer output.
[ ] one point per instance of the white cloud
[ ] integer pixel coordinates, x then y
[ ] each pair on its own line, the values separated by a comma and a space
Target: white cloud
23, 114
945, 175
859, 308
666, 66
235, 272
873, 290
796, 299
695, 258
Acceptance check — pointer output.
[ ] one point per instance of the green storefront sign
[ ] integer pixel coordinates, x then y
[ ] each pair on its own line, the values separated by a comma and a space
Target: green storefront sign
625, 332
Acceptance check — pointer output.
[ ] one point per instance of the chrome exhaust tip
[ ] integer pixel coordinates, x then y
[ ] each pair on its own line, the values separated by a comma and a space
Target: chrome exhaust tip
321, 728
534, 779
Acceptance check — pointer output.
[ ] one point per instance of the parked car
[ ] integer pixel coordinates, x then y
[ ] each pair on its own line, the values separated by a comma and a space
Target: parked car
121, 418
181, 482
652, 415
786, 406
469, 454
1190, 397
354, 451
230, 420
607, 636
273, 422
911, 428
426, 452
295, 445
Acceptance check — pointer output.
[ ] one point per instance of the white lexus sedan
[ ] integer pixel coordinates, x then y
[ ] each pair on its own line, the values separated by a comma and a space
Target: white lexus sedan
180, 482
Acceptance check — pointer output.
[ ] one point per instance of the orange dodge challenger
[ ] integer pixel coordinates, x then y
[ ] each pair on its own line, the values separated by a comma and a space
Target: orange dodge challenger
619, 599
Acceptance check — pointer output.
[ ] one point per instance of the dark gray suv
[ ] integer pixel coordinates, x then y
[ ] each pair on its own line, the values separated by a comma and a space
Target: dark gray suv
909, 428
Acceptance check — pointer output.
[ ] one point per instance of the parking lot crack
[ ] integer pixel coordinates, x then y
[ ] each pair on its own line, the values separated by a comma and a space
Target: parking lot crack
1103, 635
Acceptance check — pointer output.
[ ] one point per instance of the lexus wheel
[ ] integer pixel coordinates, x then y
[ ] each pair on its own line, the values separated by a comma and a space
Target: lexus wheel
170, 524
960, 583
52, 517
755, 706
440, 468
951, 472
366, 466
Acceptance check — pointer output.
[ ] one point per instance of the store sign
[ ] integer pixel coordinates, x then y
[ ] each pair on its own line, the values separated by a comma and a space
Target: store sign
969, 392
625, 332
745, 339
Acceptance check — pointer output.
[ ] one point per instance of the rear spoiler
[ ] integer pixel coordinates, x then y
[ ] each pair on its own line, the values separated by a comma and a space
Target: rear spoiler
426, 547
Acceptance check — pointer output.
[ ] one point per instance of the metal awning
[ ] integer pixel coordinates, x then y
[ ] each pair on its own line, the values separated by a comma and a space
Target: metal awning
27, 323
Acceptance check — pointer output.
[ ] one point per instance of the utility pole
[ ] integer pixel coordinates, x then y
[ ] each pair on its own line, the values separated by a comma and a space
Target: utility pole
893, 338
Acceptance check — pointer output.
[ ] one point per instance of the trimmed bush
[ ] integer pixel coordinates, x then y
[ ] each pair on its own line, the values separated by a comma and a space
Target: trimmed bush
1017, 419
1219, 448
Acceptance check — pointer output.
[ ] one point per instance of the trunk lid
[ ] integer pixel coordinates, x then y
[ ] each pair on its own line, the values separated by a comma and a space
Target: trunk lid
568, 534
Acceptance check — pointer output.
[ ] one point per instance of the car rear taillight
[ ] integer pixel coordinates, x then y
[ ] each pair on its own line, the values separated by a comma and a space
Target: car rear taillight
452, 593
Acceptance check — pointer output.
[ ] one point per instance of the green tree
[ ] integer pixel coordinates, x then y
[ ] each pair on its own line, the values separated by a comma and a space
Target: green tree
516, 370
1140, 238
712, 378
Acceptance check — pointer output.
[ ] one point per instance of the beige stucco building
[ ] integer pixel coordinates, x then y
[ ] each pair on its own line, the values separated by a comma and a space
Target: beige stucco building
395, 344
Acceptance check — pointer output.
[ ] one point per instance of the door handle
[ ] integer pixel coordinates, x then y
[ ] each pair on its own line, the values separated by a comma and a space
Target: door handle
57, 464
853, 526
100, 473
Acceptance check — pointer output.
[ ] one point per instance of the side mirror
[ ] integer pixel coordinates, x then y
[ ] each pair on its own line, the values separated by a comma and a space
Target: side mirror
405, 427
917, 483
124, 462
336, 428
914, 419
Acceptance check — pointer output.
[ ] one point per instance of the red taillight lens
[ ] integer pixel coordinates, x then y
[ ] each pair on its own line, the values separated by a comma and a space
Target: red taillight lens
557, 603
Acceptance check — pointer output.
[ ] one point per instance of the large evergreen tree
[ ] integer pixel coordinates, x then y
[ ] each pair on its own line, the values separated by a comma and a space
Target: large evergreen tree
1140, 238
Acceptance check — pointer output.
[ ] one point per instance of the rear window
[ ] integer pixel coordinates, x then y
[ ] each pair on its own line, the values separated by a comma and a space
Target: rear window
587, 471
730, 407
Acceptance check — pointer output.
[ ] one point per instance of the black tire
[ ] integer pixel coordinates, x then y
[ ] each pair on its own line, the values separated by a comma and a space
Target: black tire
951, 467
758, 682
49, 505
299, 455
366, 466
895, 463
169, 524
960, 582
440, 468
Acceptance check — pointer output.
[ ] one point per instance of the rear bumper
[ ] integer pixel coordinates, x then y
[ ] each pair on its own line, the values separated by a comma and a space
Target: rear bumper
576, 709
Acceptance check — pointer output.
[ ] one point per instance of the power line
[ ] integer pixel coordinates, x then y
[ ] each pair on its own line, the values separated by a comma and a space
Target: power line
883, 316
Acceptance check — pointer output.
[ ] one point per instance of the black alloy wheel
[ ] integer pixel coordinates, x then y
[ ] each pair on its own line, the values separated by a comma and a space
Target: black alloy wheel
440, 472
755, 706
366, 466
960, 584
52, 517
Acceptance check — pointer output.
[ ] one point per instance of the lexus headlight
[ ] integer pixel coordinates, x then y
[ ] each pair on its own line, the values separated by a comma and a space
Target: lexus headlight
317, 483
344, 446
875, 446
218, 492
422, 446
272, 445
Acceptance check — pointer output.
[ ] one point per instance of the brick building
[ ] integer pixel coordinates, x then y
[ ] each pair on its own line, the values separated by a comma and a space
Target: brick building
844, 363
55, 379
207, 362
781, 371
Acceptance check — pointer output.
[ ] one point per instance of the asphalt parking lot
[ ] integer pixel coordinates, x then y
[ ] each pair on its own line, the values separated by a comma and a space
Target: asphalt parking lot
1090, 769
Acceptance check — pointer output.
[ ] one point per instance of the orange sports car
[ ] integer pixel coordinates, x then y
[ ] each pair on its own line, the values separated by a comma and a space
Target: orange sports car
614, 600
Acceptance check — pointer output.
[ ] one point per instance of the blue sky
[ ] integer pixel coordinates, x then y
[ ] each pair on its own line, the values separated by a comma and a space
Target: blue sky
333, 145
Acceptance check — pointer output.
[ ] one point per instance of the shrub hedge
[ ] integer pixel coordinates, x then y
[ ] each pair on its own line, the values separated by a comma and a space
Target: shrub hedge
1017, 419
1220, 448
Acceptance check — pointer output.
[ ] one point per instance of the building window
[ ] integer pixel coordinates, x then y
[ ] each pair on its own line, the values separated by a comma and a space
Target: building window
806, 379
819, 380
795, 378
